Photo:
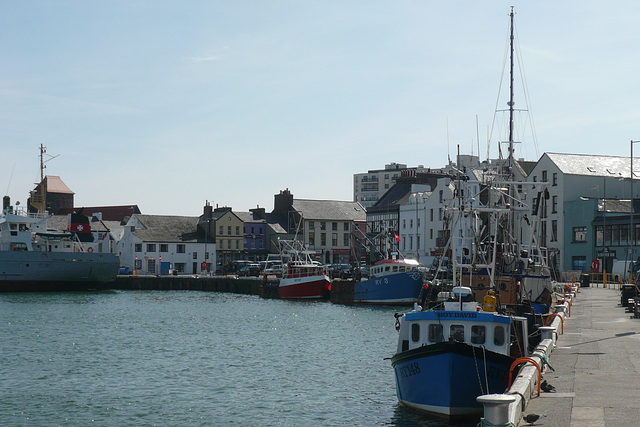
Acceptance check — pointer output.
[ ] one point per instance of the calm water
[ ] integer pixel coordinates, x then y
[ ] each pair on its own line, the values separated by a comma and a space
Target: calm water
195, 358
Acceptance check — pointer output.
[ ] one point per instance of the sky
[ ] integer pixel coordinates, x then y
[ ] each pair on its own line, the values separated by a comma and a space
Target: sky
169, 104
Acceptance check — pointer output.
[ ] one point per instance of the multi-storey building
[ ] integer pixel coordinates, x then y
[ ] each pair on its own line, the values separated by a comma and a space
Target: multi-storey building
157, 244
369, 187
572, 200
333, 229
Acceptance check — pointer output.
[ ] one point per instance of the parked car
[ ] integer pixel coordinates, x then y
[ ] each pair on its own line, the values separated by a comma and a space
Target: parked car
249, 270
340, 271
275, 270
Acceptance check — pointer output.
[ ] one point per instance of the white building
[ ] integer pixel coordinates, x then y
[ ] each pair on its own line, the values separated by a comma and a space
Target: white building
160, 244
569, 177
421, 220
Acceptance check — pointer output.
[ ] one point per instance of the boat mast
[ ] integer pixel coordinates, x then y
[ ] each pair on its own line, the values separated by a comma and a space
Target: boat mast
511, 102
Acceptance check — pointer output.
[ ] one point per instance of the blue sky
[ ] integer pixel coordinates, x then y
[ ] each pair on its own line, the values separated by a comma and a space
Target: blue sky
166, 104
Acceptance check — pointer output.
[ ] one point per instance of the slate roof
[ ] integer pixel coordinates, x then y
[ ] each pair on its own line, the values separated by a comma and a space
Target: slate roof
109, 213
594, 165
393, 197
249, 217
330, 210
60, 223
167, 228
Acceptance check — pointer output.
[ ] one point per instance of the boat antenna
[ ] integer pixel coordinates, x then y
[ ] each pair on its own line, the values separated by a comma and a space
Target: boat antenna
10, 178
43, 151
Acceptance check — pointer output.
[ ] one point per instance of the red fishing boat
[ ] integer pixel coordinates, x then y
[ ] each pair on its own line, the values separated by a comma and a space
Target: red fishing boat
303, 277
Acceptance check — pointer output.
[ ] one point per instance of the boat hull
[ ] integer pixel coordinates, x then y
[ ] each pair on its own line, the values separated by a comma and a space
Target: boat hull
309, 287
401, 288
29, 271
444, 379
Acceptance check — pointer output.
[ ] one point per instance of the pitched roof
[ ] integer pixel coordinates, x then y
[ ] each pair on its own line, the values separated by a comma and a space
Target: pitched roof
55, 185
330, 210
593, 165
249, 217
109, 213
167, 228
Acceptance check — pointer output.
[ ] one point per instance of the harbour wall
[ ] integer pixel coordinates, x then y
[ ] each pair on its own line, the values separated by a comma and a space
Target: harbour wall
238, 285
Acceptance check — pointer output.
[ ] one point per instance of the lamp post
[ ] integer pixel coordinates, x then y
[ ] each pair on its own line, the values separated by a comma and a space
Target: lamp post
206, 234
631, 210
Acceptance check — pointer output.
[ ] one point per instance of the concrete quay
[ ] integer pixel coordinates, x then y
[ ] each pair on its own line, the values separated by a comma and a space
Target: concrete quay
597, 366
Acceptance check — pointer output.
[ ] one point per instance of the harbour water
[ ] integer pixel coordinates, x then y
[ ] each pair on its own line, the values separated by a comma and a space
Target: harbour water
195, 358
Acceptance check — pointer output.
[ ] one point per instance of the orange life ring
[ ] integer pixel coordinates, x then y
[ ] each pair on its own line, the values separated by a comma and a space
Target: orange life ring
90, 250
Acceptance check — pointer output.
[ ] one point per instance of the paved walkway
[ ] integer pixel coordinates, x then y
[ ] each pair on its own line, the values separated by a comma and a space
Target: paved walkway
597, 366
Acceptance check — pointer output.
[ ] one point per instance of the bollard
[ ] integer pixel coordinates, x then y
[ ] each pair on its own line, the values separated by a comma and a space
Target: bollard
547, 333
496, 408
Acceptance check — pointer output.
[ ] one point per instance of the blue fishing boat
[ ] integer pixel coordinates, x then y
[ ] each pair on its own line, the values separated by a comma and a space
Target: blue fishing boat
447, 358
391, 281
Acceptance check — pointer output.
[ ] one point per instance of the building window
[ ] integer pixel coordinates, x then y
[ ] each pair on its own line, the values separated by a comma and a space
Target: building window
410, 243
237, 230
410, 223
323, 239
544, 176
311, 225
554, 230
164, 247
431, 214
221, 230
229, 230
334, 239
346, 226
195, 255
441, 196
431, 233
151, 247
237, 244
579, 263
554, 204
334, 226
418, 222
151, 265
580, 234
312, 238
138, 247
404, 223
228, 244
418, 242
180, 248
346, 236
323, 225
555, 179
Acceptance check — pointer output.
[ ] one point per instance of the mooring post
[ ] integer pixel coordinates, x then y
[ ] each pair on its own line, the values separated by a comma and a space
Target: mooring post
496, 408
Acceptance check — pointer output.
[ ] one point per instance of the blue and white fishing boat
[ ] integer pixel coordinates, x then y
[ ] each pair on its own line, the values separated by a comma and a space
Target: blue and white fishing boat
391, 281
447, 358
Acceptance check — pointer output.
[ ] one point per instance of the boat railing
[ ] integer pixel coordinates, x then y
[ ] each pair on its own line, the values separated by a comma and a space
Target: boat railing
23, 211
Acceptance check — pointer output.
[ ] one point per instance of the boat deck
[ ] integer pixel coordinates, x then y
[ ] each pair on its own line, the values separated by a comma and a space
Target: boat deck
597, 366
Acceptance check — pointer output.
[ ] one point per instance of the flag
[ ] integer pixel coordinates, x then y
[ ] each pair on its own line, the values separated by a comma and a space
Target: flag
397, 237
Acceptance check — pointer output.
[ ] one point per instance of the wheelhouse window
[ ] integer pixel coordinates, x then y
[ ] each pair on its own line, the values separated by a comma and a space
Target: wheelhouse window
478, 334
498, 335
415, 332
456, 333
436, 333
